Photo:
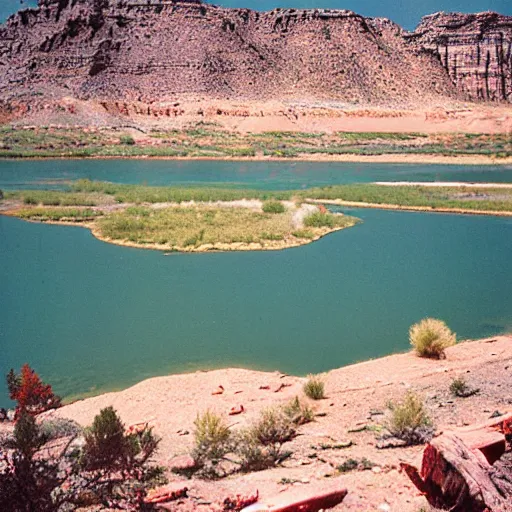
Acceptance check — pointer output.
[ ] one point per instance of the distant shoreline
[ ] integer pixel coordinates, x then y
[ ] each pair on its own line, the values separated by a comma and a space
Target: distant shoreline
395, 158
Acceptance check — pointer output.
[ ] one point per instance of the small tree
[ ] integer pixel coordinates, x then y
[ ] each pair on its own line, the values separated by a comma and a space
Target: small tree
35, 478
32, 395
28, 482
116, 463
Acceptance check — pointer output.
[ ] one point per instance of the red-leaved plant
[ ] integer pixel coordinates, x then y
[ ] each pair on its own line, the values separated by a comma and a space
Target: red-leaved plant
31, 394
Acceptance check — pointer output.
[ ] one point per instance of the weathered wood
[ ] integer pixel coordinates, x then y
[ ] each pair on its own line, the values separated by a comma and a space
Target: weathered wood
457, 471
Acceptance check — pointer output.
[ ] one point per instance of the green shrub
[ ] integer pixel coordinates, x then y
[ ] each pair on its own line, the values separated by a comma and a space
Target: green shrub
409, 420
60, 427
314, 388
461, 389
212, 439
353, 464
319, 220
271, 431
298, 413
253, 455
431, 337
1, 194
127, 140
272, 236
273, 207
303, 233
105, 441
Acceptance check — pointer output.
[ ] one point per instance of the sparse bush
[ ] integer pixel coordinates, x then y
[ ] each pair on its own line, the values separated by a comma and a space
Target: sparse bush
253, 455
298, 413
314, 388
460, 388
127, 140
1, 194
319, 220
356, 464
213, 441
272, 430
431, 337
60, 427
303, 233
273, 207
409, 420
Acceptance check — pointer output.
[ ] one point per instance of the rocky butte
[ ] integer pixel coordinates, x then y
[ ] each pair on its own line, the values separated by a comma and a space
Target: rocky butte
148, 51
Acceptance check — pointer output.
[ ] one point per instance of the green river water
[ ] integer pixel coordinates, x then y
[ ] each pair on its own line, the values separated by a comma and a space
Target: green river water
90, 316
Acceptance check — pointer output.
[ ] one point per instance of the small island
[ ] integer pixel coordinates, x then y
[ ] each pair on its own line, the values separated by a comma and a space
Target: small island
180, 219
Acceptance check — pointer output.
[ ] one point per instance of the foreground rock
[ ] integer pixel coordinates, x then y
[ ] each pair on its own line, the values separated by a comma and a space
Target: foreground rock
460, 469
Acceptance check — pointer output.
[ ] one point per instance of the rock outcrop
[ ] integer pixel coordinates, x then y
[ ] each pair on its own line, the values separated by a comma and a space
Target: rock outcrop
150, 50
139, 50
475, 49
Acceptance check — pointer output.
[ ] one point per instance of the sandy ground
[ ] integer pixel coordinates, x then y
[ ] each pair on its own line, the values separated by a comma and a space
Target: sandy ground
357, 397
249, 116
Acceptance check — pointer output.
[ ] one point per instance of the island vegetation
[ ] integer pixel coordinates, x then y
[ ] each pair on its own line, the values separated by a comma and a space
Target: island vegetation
209, 140
212, 218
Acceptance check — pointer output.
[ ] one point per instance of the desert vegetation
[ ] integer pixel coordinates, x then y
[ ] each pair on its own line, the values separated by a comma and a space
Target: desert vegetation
431, 337
408, 420
214, 218
314, 387
180, 219
205, 140
220, 451
50, 465
460, 388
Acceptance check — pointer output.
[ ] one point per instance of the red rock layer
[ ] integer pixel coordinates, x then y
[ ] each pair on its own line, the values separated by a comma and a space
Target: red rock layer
167, 49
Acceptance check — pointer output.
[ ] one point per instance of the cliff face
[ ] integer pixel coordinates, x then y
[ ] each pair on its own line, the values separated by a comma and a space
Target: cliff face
166, 49
475, 49
163, 50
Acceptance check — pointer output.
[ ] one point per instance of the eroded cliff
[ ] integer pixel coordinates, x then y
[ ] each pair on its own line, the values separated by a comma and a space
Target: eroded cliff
475, 49
162, 51
146, 51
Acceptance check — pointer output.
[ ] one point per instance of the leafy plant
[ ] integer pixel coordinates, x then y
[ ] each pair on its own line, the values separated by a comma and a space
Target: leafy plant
128, 140
319, 220
314, 388
273, 207
431, 337
460, 388
409, 420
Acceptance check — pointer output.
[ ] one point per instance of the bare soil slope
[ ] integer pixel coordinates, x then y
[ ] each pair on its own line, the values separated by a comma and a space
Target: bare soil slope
357, 396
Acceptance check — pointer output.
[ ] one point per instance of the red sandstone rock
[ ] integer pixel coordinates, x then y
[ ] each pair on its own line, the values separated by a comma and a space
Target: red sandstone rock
153, 51
457, 470
299, 500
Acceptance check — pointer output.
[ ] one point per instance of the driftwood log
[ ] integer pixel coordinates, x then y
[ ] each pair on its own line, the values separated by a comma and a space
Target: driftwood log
469, 469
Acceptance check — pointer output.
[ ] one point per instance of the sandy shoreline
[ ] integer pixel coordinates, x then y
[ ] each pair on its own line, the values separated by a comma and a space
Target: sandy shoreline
395, 158
424, 209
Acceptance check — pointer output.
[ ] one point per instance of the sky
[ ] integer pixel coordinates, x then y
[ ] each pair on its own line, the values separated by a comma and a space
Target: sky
404, 12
